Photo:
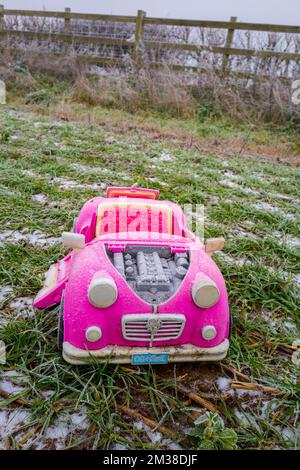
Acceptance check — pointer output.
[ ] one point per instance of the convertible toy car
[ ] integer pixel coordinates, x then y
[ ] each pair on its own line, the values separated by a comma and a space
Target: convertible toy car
137, 286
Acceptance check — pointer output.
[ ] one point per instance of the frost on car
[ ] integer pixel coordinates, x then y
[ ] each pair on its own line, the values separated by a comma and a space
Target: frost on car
137, 286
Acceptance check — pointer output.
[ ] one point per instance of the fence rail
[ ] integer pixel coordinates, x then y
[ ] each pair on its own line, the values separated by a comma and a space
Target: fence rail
158, 21
139, 43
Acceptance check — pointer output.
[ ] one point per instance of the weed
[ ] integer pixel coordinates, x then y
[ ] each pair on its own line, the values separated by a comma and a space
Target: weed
210, 433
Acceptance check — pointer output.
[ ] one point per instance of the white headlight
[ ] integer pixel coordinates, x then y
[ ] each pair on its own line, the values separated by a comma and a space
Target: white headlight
93, 334
208, 332
102, 292
205, 292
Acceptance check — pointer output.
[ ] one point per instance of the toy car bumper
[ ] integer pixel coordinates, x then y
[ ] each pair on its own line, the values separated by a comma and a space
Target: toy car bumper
124, 354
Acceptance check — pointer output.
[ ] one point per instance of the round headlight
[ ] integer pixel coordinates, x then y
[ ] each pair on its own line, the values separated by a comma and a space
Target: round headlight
208, 332
102, 292
93, 334
205, 292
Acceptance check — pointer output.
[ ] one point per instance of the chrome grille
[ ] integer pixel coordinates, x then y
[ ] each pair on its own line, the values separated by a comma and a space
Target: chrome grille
152, 327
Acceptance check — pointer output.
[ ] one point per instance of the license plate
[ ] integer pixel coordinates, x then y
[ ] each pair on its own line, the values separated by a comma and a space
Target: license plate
148, 358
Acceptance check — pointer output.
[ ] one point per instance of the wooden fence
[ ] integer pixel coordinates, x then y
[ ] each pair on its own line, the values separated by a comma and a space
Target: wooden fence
139, 44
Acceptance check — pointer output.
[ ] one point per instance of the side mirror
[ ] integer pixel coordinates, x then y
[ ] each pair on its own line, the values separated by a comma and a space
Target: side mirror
214, 244
73, 240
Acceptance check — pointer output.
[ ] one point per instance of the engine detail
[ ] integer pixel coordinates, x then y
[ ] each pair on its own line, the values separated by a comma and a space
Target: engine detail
154, 273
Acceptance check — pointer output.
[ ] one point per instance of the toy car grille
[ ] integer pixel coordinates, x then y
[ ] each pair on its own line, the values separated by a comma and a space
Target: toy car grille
152, 327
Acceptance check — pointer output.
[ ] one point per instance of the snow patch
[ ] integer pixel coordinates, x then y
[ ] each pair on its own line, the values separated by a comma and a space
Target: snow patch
124, 177
229, 184
9, 387
240, 392
232, 184
242, 233
214, 200
86, 169
166, 157
12, 382
246, 419
289, 434
156, 180
47, 394
156, 437
297, 279
65, 426
16, 375
119, 447
224, 384
39, 125
11, 422
283, 197
70, 184
266, 408
288, 326
286, 239
92, 170
267, 316
266, 207
41, 198
235, 261
231, 175
36, 238
22, 307
9, 192
29, 173
5, 292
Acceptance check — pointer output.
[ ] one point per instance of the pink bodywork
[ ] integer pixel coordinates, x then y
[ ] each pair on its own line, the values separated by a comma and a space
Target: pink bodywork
76, 270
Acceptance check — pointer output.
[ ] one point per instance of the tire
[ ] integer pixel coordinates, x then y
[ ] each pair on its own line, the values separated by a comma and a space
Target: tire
60, 324
230, 325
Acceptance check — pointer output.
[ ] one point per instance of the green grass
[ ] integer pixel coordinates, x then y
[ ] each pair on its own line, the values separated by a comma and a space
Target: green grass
260, 267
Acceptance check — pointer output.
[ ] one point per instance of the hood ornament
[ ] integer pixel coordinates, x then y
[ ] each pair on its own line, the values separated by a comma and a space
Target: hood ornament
153, 326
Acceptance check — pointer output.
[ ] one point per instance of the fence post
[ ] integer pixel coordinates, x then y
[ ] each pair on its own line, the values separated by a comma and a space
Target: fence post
1, 17
228, 44
139, 32
2, 28
67, 24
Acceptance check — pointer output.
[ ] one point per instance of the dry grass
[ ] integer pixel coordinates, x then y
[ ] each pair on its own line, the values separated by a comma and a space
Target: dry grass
58, 67
259, 100
256, 100
106, 91
161, 91
18, 70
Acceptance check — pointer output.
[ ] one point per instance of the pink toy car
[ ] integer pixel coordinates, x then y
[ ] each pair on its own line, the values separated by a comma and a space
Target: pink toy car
137, 287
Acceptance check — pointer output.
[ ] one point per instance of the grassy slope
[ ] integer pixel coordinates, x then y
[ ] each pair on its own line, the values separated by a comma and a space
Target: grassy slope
260, 266
208, 130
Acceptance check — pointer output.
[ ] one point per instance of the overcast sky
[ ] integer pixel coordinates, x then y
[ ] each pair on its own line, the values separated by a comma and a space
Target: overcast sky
261, 11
